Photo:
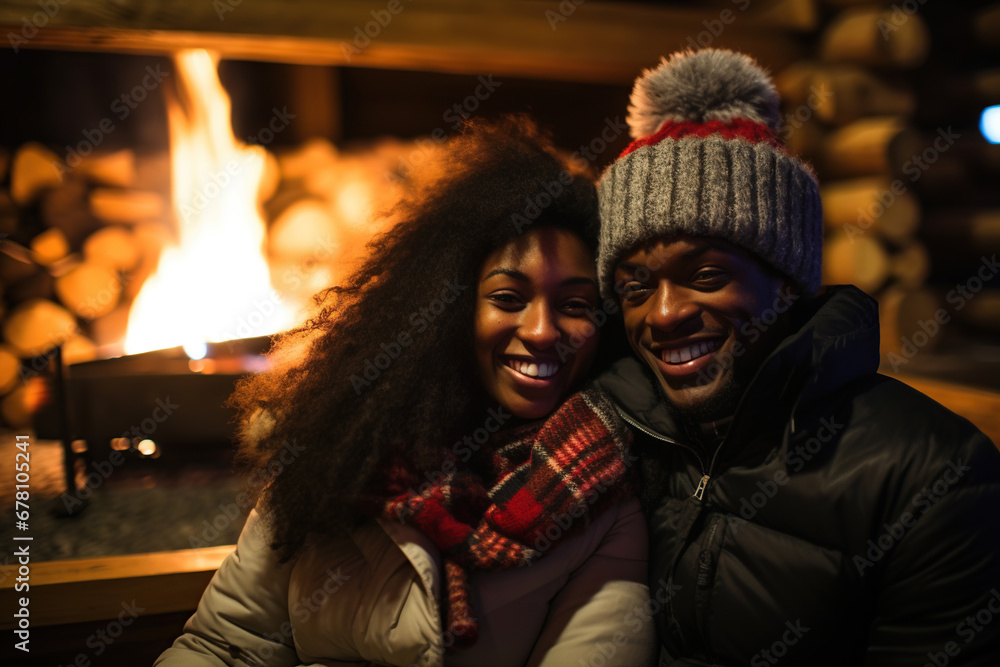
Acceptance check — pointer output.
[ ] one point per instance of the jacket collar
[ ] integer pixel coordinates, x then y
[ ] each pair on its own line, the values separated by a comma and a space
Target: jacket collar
835, 341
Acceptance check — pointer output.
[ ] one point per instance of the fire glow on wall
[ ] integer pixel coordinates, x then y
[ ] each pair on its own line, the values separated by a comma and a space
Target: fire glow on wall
212, 283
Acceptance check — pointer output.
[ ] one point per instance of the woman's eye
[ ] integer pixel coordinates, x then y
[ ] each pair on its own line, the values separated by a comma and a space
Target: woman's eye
578, 307
505, 300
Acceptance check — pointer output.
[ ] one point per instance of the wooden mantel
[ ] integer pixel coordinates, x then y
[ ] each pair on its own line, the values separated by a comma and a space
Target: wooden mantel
599, 42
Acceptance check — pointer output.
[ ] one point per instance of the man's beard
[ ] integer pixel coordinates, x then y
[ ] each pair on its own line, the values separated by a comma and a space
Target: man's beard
721, 404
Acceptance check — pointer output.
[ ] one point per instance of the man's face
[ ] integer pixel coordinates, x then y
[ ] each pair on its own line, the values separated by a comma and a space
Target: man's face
703, 314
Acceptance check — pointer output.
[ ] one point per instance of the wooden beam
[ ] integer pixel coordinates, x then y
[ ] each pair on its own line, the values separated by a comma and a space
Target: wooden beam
979, 406
90, 589
596, 42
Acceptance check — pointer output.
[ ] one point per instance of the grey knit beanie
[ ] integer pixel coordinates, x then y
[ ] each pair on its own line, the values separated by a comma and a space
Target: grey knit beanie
706, 161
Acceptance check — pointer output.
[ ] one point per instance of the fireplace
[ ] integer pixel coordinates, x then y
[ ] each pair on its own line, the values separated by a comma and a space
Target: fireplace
158, 272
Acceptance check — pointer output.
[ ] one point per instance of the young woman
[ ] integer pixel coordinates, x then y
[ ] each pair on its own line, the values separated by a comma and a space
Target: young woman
450, 499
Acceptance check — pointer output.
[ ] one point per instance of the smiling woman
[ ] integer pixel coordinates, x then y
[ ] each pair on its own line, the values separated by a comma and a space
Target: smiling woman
535, 294
402, 532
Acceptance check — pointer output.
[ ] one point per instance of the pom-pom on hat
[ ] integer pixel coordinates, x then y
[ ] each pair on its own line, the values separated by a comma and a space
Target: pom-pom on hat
707, 161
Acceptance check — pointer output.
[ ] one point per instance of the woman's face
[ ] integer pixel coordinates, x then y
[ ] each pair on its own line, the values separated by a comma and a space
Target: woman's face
534, 339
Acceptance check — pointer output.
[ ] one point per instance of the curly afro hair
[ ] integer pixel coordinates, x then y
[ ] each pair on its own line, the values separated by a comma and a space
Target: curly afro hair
485, 189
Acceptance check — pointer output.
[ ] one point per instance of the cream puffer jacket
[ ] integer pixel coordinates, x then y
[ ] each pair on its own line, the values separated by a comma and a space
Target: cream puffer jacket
372, 599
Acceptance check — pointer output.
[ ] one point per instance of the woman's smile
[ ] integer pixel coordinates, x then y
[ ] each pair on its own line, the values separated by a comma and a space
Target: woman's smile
536, 370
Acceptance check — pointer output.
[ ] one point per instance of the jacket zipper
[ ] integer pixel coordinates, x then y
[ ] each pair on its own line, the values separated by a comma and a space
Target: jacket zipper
698, 495
699, 492
711, 467
707, 556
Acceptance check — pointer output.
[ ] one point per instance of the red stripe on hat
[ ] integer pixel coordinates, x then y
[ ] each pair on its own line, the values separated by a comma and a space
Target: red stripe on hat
739, 128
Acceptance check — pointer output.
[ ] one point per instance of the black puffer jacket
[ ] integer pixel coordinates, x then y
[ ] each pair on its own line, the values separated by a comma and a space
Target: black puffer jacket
845, 519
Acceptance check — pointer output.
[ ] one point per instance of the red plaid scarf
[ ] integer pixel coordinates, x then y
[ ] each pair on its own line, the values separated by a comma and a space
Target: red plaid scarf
564, 470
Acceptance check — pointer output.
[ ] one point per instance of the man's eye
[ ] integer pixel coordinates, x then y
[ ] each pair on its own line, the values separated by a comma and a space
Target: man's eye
633, 290
708, 275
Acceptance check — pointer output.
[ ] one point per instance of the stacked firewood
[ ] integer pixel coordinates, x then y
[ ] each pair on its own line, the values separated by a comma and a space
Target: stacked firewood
857, 113
327, 207
77, 243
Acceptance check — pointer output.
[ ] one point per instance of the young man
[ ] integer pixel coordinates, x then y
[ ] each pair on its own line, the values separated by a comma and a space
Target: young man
803, 509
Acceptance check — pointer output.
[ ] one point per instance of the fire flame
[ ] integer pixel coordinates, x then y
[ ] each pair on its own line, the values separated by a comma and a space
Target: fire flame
214, 283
